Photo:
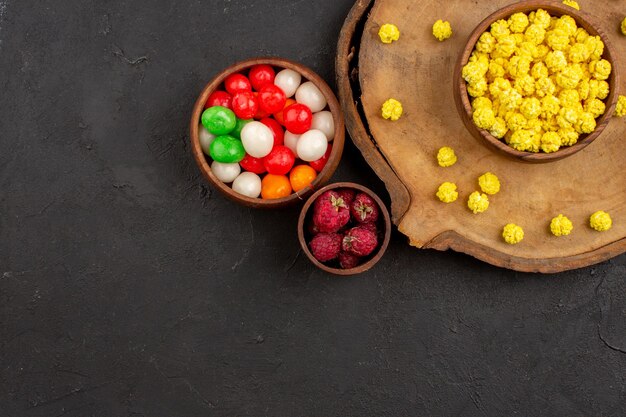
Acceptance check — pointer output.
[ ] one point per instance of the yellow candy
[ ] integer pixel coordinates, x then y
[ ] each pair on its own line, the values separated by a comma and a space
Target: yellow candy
620, 109
556, 61
595, 47
535, 34
557, 39
510, 99
498, 86
544, 87
481, 102
505, 47
539, 71
600, 69
571, 3
568, 137
473, 72
578, 53
447, 192
623, 26
570, 76
542, 18
392, 110
512, 234
561, 226
586, 123
519, 65
595, 107
499, 128
486, 43
484, 118
525, 85
600, 221
446, 157
489, 183
389, 33
516, 121
550, 142
442, 30
522, 140
531, 108
569, 98
518, 23
478, 202
500, 29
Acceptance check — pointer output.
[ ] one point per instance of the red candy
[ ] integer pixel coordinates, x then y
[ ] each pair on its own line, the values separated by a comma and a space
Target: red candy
261, 75
297, 118
279, 161
236, 83
245, 105
219, 98
321, 163
279, 135
279, 116
260, 113
252, 164
272, 98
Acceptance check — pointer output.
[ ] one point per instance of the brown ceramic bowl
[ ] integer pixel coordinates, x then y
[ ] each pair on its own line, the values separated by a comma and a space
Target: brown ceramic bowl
383, 223
204, 161
462, 98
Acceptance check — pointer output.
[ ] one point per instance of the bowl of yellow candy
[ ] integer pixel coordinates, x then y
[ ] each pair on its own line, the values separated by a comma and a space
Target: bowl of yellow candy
536, 81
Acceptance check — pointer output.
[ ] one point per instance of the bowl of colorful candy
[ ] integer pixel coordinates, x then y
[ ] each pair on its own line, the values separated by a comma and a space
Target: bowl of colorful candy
535, 81
267, 132
344, 228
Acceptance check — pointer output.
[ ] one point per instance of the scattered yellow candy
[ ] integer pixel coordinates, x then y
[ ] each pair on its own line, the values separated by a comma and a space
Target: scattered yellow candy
478, 202
623, 26
446, 157
600, 221
442, 30
392, 110
620, 109
447, 192
571, 3
561, 226
538, 82
513, 234
489, 183
389, 33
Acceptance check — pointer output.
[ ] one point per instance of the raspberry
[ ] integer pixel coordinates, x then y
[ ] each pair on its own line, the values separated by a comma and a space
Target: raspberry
347, 194
330, 212
360, 241
364, 209
348, 260
325, 246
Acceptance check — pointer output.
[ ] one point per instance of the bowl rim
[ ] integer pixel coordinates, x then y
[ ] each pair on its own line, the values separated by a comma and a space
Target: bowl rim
381, 250
333, 107
463, 100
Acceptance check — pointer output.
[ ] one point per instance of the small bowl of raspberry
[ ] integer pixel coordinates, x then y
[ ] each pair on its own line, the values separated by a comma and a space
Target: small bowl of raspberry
344, 228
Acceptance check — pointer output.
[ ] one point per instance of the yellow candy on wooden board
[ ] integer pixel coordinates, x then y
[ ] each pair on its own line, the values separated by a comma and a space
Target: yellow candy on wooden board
478, 202
512, 234
600, 221
392, 110
489, 183
389, 33
447, 192
561, 226
446, 157
442, 30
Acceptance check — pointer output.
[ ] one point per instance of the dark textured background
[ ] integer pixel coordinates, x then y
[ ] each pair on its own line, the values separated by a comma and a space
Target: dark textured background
129, 288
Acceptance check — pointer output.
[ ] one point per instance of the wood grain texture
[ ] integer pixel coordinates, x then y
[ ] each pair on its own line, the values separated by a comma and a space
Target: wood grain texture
462, 99
418, 71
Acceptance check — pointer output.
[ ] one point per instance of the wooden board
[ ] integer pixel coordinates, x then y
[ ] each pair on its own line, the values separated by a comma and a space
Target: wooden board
417, 70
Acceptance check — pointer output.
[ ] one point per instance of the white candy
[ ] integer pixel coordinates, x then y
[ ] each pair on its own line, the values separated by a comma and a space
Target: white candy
289, 81
248, 184
291, 141
324, 121
257, 139
311, 96
225, 172
206, 138
312, 145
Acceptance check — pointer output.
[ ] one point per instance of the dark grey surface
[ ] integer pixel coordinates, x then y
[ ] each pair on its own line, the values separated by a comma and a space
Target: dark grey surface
129, 288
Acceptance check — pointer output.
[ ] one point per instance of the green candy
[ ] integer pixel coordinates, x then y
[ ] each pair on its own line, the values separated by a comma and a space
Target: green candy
238, 128
227, 150
219, 120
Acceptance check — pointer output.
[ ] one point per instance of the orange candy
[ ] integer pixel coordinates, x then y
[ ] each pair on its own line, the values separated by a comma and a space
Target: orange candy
279, 116
275, 186
301, 177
